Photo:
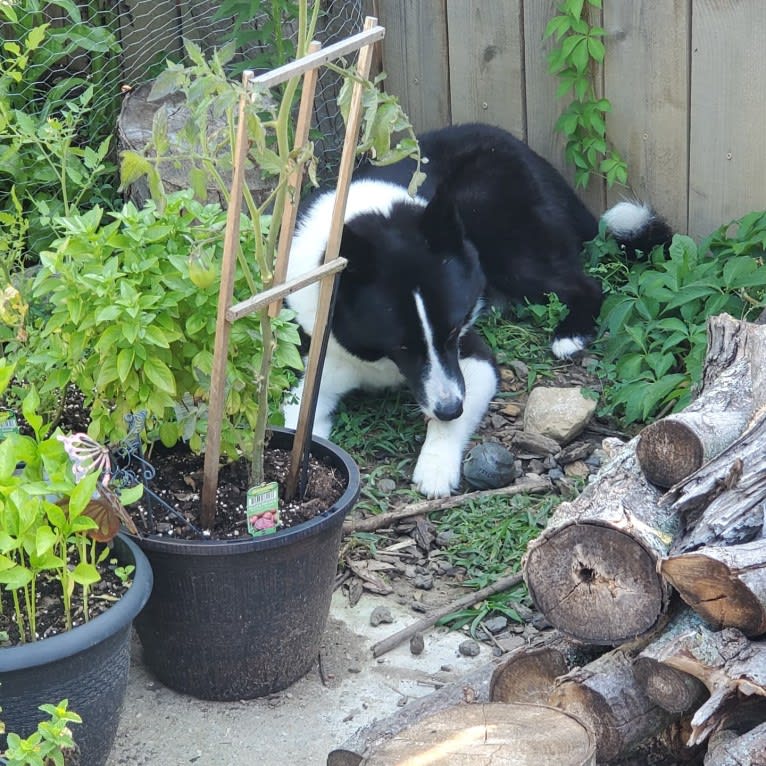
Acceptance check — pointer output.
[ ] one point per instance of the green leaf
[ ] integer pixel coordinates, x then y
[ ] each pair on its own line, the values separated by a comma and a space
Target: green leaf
82, 494
125, 363
85, 574
159, 374
132, 168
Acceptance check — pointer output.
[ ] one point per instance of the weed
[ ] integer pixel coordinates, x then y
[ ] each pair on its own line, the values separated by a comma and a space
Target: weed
653, 321
579, 50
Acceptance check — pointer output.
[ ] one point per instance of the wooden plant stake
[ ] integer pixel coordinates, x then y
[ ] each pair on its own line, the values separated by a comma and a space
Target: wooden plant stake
227, 314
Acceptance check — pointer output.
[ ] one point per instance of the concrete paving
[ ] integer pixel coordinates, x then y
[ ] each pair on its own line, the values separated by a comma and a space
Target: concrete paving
302, 724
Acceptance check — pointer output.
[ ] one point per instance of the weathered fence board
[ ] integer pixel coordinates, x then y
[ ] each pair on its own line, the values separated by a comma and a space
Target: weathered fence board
543, 108
486, 78
728, 112
684, 77
416, 59
646, 79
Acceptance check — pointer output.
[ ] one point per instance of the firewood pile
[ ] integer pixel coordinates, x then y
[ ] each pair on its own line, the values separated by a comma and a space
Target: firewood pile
663, 556
654, 580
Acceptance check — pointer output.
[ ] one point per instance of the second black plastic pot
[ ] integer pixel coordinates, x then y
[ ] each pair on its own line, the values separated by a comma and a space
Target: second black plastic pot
87, 665
241, 619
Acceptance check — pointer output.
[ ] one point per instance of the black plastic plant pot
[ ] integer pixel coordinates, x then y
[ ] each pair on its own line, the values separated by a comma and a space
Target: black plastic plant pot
241, 619
87, 665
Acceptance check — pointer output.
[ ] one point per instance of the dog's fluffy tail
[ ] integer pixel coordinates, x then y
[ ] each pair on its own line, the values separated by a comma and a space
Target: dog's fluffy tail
636, 227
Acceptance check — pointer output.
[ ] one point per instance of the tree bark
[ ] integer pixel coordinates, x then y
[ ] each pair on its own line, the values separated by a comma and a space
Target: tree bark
672, 448
593, 570
723, 502
606, 696
728, 749
472, 688
726, 586
731, 667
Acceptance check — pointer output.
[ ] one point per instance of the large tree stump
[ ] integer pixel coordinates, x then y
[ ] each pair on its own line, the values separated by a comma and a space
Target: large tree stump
726, 586
593, 570
608, 699
727, 748
494, 734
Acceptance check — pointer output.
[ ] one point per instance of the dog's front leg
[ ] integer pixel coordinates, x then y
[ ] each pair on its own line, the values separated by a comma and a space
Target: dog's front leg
437, 472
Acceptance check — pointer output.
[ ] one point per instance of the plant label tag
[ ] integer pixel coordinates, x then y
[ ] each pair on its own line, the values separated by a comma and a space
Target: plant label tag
263, 509
8, 425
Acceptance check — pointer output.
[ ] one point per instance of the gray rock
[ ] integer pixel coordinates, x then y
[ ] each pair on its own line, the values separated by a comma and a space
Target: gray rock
381, 615
469, 648
496, 624
558, 413
417, 644
423, 581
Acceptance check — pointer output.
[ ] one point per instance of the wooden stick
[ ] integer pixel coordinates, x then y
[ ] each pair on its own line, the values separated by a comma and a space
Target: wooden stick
442, 504
321, 330
222, 326
295, 179
387, 644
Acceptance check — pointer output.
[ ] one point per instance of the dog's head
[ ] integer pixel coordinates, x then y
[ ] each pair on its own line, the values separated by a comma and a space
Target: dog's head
412, 288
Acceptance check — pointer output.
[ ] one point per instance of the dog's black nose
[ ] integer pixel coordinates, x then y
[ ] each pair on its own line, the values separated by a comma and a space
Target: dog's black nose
448, 411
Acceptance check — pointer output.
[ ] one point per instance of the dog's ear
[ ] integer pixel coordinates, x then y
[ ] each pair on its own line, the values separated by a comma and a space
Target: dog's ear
441, 224
357, 250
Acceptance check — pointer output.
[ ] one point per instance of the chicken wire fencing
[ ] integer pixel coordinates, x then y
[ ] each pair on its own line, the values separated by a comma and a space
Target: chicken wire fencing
119, 46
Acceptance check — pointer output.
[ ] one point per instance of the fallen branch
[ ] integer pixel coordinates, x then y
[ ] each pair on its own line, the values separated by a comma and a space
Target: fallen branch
442, 504
392, 641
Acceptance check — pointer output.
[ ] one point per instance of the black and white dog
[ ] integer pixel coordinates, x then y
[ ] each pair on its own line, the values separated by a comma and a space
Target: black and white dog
492, 217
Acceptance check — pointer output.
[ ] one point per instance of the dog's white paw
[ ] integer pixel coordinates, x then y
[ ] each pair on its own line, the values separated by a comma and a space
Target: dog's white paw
437, 472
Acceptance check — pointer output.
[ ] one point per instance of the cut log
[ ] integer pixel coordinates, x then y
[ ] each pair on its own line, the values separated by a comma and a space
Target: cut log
674, 690
472, 688
529, 673
607, 698
673, 448
726, 586
723, 502
728, 749
491, 735
731, 667
593, 570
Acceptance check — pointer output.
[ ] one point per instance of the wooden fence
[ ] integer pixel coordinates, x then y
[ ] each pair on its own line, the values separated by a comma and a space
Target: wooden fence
686, 79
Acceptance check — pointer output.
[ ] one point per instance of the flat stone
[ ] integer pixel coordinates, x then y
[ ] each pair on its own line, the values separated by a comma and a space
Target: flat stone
558, 413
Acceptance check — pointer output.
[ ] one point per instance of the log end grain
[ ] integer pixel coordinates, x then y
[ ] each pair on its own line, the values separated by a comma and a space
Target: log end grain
527, 676
710, 588
494, 733
673, 690
668, 451
595, 583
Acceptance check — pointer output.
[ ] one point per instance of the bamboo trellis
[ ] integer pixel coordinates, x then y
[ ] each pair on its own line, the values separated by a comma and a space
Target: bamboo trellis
325, 274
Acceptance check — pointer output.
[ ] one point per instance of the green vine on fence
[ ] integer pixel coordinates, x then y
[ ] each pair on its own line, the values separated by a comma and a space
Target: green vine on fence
579, 50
